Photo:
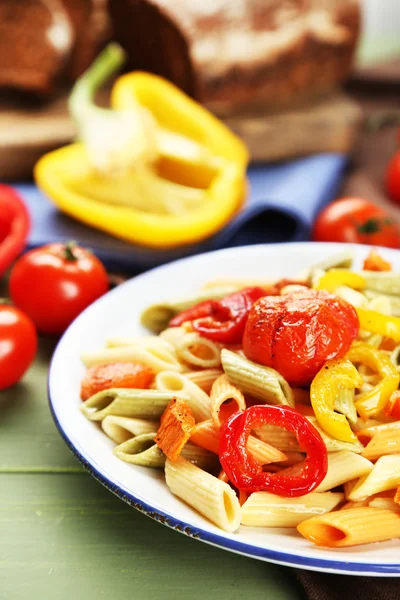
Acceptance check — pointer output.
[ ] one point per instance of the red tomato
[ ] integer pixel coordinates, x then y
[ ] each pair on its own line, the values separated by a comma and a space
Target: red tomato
298, 333
115, 375
393, 178
53, 284
18, 345
356, 220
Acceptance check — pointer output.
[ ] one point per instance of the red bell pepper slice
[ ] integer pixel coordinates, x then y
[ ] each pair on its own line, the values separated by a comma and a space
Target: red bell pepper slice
203, 309
228, 316
14, 226
246, 473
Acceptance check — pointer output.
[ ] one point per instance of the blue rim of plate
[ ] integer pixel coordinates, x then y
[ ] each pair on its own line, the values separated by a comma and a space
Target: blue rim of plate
238, 547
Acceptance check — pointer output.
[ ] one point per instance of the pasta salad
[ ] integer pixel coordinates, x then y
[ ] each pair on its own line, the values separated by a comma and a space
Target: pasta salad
267, 404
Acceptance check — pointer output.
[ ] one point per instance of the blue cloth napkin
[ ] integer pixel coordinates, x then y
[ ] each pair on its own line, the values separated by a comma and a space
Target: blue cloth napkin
283, 202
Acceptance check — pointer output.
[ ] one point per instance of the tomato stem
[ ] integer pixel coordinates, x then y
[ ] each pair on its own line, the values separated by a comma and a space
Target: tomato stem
69, 251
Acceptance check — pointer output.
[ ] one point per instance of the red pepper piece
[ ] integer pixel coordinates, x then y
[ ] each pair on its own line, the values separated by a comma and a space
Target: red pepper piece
203, 309
14, 226
228, 317
246, 473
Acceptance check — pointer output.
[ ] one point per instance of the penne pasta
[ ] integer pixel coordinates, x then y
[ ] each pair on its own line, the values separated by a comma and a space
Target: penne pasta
178, 383
383, 443
206, 435
345, 404
210, 496
198, 351
142, 451
204, 378
149, 342
121, 429
383, 282
393, 300
142, 404
223, 391
262, 383
351, 527
344, 466
386, 503
263, 509
158, 359
385, 475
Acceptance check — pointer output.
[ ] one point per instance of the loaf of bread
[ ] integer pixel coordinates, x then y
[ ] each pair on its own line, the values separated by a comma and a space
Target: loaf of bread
42, 41
232, 53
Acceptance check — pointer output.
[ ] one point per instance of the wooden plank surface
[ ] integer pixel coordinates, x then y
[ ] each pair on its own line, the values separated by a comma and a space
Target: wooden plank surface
65, 536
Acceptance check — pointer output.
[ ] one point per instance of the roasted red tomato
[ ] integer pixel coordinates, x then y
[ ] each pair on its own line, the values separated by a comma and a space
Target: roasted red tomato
115, 375
298, 333
358, 221
53, 284
18, 344
393, 178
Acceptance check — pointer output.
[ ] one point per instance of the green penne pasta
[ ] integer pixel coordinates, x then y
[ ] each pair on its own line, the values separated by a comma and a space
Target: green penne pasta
385, 282
157, 316
142, 450
342, 260
344, 404
263, 383
141, 404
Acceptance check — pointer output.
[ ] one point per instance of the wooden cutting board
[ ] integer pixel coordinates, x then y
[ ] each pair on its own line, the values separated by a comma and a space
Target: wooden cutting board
331, 124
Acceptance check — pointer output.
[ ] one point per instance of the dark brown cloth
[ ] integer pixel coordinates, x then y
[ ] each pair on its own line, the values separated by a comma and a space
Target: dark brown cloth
378, 93
320, 586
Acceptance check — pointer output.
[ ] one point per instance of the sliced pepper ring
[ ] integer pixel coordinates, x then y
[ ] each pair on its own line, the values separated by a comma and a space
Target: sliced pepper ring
246, 473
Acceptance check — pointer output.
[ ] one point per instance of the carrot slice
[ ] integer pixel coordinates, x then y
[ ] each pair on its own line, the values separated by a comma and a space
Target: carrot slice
375, 262
115, 375
176, 426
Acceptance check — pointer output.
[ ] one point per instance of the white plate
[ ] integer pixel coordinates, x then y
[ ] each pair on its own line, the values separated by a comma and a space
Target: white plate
118, 313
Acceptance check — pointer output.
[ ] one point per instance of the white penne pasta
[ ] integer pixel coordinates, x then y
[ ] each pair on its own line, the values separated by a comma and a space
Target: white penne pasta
344, 404
212, 497
121, 429
178, 383
279, 437
223, 391
171, 335
344, 528
374, 427
343, 466
383, 443
262, 509
261, 382
237, 283
394, 301
348, 486
129, 402
351, 296
204, 378
158, 359
385, 475
386, 503
198, 351
149, 342
380, 304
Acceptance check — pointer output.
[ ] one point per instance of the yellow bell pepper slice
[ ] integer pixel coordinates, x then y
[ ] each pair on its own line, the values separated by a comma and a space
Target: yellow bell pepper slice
337, 277
376, 322
335, 374
204, 155
373, 402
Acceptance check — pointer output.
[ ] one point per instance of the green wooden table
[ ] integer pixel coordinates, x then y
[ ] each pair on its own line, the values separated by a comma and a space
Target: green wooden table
64, 536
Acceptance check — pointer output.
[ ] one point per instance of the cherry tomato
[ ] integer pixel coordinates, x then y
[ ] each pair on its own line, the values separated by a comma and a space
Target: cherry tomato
119, 375
393, 177
18, 344
356, 220
53, 284
296, 334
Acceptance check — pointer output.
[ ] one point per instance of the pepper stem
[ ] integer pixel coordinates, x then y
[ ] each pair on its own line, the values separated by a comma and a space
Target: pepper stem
69, 251
105, 65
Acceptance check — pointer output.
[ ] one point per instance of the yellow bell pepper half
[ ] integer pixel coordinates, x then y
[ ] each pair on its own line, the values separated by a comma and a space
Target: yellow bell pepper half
376, 322
325, 387
200, 153
373, 402
337, 277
